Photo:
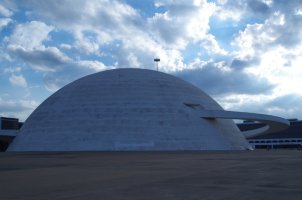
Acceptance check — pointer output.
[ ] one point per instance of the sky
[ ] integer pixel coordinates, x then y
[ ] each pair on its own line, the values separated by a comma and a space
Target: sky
246, 54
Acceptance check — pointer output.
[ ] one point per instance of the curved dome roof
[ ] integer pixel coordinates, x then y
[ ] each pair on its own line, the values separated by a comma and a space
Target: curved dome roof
127, 109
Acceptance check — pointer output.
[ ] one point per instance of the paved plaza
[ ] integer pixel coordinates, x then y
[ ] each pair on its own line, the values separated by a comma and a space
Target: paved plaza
214, 175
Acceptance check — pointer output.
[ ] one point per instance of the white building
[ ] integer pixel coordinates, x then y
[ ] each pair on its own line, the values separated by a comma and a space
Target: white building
134, 109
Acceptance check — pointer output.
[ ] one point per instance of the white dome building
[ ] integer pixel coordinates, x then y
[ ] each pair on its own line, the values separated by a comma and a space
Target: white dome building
130, 109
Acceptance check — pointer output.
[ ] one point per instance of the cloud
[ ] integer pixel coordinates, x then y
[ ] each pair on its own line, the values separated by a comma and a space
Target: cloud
94, 65
83, 15
259, 7
18, 80
212, 46
5, 12
91, 22
12, 69
65, 40
88, 42
20, 109
233, 10
71, 71
4, 22
287, 105
140, 52
58, 69
29, 36
46, 59
182, 22
241, 64
94, 27
287, 101
243, 9
65, 46
272, 49
219, 79
282, 26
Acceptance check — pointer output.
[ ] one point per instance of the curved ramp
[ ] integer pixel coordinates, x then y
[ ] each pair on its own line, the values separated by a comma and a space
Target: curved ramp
273, 123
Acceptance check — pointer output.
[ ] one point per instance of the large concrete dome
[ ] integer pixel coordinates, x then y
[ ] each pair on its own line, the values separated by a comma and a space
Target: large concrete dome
127, 109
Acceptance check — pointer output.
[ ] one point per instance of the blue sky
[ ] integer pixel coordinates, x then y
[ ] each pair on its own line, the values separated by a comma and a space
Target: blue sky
247, 54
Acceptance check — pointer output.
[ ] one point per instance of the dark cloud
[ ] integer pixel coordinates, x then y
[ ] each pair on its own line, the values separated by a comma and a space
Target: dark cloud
289, 35
239, 64
54, 11
249, 8
287, 6
259, 8
236, 63
44, 60
287, 106
217, 81
168, 32
57, 68
287, 101
66, 74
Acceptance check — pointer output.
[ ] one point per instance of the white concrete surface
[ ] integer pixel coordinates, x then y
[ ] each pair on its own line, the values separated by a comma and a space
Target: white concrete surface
127, 109
273, 123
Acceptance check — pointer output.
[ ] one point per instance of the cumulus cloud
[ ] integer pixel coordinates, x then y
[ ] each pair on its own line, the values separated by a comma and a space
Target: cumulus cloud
258, 38
91, 22
140, 52
94, 26
20, 108
18, 80
5, 12
87, 43
281, 27
272, 49
94, 65
233, 10
4, 22
242, 9
29, 36
212, 46
183, 21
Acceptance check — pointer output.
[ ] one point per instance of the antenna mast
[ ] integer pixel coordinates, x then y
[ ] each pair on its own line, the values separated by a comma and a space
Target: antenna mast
156, 60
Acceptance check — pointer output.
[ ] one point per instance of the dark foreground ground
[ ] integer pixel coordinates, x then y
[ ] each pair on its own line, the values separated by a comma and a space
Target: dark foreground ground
275, 174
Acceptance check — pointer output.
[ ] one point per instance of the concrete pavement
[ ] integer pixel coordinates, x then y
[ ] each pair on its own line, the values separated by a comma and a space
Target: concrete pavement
208, 175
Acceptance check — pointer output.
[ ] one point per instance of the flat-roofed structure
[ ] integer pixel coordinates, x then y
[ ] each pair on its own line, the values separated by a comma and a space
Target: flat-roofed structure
9, 128
288, 138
